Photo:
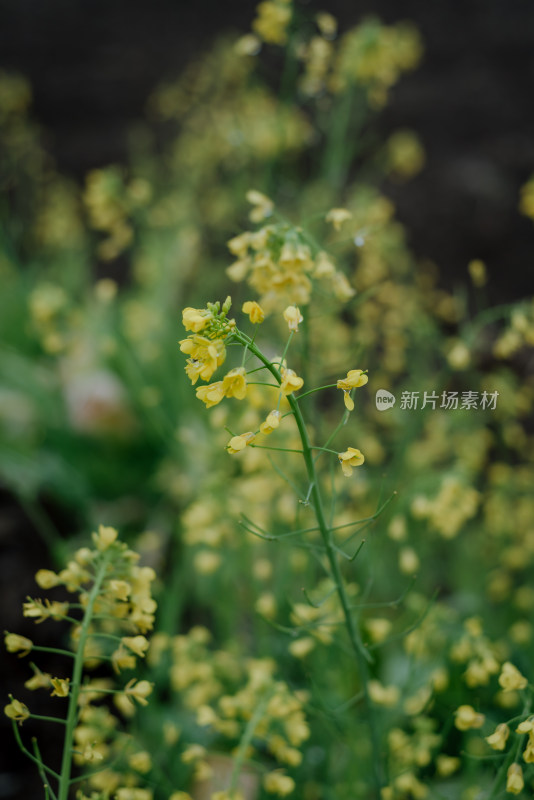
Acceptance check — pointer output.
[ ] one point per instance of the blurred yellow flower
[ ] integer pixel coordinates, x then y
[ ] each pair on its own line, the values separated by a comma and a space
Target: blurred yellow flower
17, 644
262, 205
510, 678
272, 21
254, 310
46, 579
278, 783
465, 718
138, 690
477, 272
105, 537
293, 317
351, 457
514, 779
137, 644
337, 216
497, 740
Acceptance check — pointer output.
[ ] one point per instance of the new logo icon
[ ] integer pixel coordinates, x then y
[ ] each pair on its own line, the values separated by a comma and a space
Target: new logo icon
384, 399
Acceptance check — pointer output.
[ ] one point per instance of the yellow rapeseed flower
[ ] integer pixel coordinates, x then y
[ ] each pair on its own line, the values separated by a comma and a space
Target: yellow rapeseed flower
337, 216
255, 312
196, 319
17, 711
300, 648
262, 205
278, 783
528, 752
497, 740
105, 537
272, 21
327, 24
40, 680
238, 443
465, 718
212, 394
511, 679
60, 687
40, 611
139, 691
137, 644
527, 726
205, 356
355, 378
514, 779
17, 644
46, 579
247, 45
141, 761
192, 753
350, 458
122, 659
119, 590
447, 765
293, 317
290, 381
206, 562
234, 383
271, 423
387, 696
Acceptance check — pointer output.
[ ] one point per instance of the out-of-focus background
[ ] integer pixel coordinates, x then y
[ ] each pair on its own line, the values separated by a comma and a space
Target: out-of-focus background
92, 66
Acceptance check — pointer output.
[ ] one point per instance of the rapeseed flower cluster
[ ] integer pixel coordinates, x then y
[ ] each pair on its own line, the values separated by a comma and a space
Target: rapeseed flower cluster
110, 618
205, 346
225, 692
280, 262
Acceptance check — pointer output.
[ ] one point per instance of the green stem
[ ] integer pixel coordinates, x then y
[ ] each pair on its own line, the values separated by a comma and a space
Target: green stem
324, 449
279, 449
354, 635
246, 740
318, 389
45, 718
56, 650
46, 786
66, 763
360, 652
27, 753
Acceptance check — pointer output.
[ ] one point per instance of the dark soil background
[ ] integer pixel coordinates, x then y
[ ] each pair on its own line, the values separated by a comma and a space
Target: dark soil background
93, 63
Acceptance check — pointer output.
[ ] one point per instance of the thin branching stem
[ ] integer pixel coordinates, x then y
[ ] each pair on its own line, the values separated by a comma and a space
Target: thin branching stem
33, 758
362, 655
75, 687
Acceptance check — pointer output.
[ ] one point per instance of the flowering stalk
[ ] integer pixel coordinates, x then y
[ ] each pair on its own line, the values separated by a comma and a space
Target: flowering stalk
72, 714
361, 654
114, 595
